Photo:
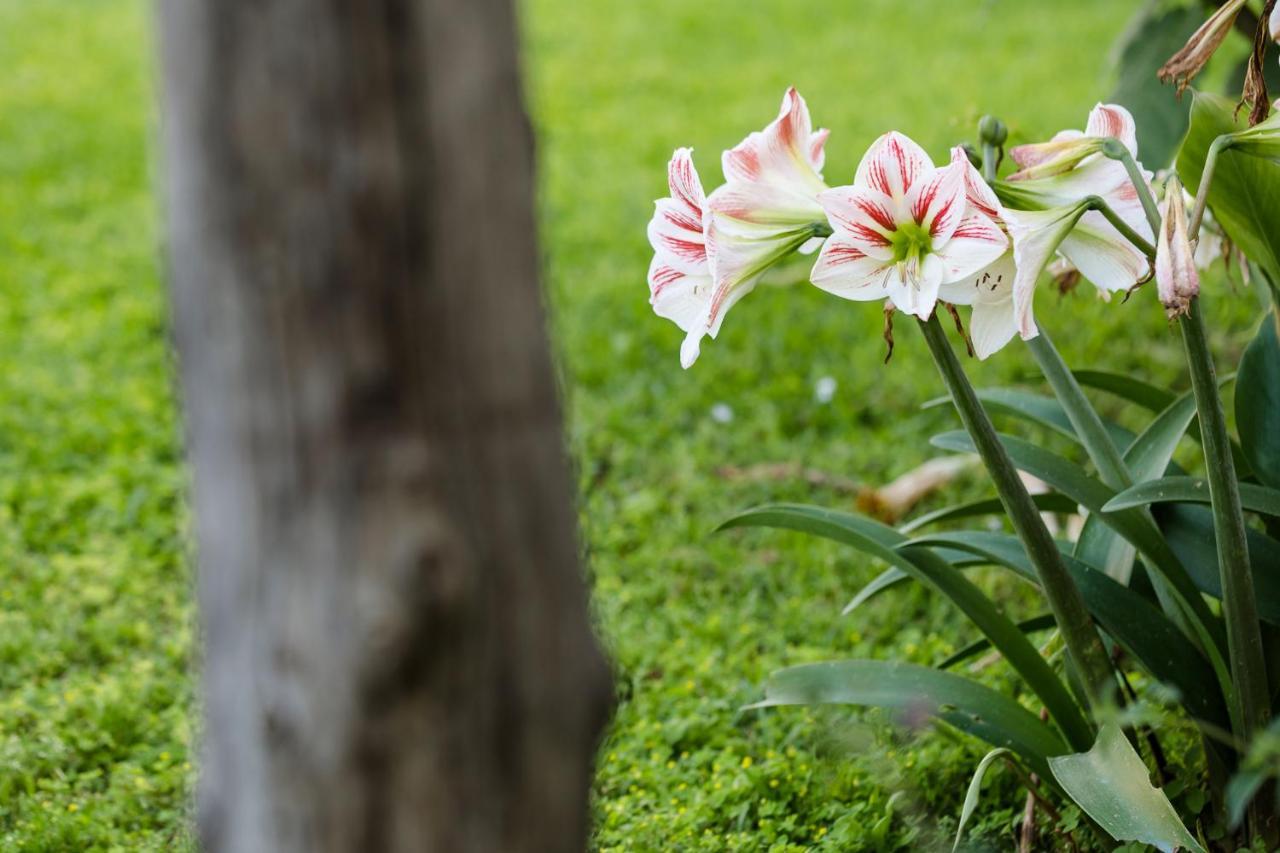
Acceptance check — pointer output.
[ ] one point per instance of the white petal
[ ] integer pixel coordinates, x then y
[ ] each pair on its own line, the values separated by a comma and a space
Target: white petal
766, 204
845, 270
864, 216
1114, 120
676, 238
914, 289
1036, 236
677, 296
978, 194
1108, 260
991, 326
976, 243
676, 229
892, 164
936, 201
992, 283
786, 152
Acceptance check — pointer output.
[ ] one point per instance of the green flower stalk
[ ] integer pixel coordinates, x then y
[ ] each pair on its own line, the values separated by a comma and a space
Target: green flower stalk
1068, 605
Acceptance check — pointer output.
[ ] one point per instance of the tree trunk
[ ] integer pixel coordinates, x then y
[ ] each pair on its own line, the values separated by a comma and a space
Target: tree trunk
397, 653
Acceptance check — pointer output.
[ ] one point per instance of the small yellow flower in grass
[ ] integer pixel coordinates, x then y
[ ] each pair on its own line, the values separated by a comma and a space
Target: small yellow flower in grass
773, 783
71, 807
746, 762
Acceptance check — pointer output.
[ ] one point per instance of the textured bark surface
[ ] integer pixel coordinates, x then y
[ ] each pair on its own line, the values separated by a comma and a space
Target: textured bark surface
397, 653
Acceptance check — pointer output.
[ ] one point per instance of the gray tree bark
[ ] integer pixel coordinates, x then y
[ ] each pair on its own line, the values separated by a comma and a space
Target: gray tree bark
396, 648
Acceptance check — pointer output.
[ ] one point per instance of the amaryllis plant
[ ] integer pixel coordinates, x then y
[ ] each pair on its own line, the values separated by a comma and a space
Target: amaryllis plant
1171, 585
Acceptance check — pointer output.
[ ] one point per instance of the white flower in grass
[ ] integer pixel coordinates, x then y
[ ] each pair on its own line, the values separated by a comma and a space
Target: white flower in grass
1058, 220
711, 252
903, 230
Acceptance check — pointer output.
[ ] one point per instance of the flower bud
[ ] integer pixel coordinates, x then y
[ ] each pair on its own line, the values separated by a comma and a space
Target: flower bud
992, 131
1176, 278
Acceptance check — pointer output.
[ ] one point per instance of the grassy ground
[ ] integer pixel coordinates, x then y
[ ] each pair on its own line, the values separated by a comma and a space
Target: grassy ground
94, 592
95, 618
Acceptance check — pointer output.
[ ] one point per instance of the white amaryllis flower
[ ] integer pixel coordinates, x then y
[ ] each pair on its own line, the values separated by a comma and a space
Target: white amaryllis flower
711, 252
1058, 220
903, 230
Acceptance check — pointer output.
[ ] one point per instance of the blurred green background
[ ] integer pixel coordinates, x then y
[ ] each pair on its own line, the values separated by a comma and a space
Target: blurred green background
96, 697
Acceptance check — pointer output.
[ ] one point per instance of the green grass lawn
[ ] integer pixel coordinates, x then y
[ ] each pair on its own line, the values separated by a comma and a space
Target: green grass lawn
96, 623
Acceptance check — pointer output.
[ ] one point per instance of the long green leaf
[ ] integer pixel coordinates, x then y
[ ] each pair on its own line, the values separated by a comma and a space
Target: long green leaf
1133, 524
1131, 620
1144, 394
1193, 490
1145, 458
971, 795
1043, 622
1035, 408
1258, 403
965, 704
893, 576
880, 541
1047, 502
1189, 532
887, 579
1112, 785
1151, 398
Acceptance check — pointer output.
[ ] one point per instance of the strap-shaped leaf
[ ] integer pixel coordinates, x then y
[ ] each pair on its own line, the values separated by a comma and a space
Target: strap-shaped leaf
971, 795
1258, 402
965, 704
887, 579
1112, 785
1130, 618
1043, 622
1189, 531
1153, 399
1144, 394
1035, 408
1047, 502
893, 576
1133, 524
881, 542
1193, 490
1147, 457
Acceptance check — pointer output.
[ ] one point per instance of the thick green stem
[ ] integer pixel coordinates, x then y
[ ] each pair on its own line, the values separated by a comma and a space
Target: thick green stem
1239, 607
1084, 418
1078, 631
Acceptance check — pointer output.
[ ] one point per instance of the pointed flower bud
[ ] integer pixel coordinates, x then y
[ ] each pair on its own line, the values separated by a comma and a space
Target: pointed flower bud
1195, 54
1176, 278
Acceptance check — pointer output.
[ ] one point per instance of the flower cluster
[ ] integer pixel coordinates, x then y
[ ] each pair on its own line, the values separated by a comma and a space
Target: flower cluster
905, 231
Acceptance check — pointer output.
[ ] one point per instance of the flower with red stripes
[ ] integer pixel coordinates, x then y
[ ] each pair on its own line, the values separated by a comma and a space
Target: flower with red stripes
711, 252
903, 230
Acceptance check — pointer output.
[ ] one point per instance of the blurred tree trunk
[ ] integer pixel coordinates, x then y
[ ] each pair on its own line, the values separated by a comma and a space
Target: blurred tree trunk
397, 653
